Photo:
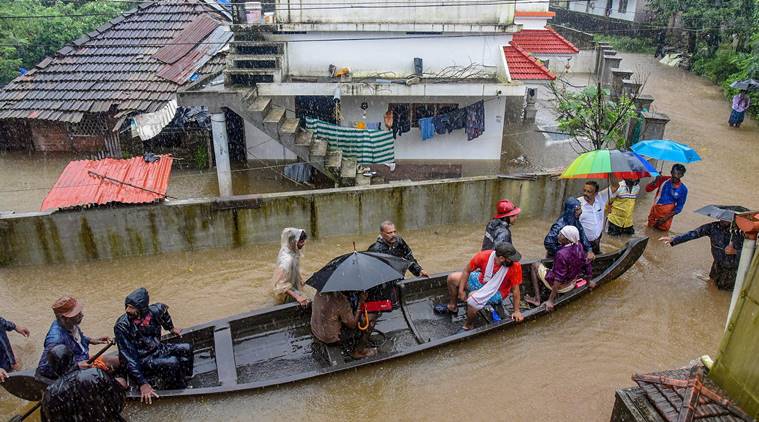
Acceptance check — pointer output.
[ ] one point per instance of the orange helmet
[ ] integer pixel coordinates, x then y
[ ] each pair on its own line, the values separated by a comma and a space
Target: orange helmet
506, 208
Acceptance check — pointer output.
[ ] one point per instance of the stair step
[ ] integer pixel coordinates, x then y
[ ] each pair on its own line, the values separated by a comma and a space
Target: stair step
362, 180
334, 158
249, 96
304, 138
348, 168
273, 120
319, 148
290, 126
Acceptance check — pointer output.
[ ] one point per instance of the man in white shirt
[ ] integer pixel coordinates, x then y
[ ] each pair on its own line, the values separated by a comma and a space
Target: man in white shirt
593, 203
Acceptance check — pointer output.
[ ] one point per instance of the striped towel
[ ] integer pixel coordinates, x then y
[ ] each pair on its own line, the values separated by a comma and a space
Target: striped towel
365, 145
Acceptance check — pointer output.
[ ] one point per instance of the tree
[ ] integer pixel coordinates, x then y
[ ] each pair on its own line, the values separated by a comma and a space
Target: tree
49, 26
591, 118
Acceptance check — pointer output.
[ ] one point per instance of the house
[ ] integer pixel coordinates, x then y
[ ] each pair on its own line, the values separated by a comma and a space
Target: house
113, 90
313, 78
627, 10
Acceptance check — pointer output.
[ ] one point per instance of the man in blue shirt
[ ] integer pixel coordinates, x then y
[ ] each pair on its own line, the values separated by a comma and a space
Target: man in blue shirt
65, 330
8, 361
672, 195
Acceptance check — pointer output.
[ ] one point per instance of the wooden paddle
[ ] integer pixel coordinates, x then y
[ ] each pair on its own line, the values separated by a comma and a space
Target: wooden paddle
19, 418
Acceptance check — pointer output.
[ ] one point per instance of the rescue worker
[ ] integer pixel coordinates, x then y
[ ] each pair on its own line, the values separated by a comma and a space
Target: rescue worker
145, 358
69, 313
80, 394
499, 228
391, 243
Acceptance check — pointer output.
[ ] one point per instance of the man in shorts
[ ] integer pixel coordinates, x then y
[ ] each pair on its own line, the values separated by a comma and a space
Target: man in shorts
488, 278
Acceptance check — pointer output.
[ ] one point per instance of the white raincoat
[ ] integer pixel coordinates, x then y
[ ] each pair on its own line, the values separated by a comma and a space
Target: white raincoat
287, 275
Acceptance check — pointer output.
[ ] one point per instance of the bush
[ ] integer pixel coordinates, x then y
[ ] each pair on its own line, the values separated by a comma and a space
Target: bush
628, 44
727, 66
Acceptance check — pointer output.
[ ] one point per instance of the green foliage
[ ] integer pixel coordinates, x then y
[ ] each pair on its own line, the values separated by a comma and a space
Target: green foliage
592, 119
25, 42
627, 44
200, 156
728, 66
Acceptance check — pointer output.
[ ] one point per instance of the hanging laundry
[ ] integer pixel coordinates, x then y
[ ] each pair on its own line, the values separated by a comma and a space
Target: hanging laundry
475, 120
374, 125
389, 120
457, 119
367, 146
361, 124
426, 128
299, 172
401, 120
442, 123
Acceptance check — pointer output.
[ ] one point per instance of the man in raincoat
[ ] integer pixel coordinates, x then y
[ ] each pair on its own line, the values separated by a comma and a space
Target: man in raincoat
499, 228
726, 244
569, 217
145, 358
288, 281
80, 394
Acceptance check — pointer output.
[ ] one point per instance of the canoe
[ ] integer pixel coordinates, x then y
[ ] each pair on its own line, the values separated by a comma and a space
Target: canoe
273, 346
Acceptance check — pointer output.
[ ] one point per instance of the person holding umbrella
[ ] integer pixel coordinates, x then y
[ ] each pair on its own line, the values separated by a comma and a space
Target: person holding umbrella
741, 103
335, 318
726, 243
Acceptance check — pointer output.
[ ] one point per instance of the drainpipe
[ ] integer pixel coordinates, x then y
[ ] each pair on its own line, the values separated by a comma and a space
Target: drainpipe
221, 151
749, 224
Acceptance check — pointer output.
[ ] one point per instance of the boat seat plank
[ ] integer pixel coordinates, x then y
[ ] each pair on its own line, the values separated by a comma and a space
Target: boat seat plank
225, 355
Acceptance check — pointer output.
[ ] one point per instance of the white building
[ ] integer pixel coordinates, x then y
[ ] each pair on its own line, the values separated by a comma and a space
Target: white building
350, 65
629, 10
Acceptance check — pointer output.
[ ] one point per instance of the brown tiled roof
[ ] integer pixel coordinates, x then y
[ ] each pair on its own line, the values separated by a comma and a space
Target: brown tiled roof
114, 69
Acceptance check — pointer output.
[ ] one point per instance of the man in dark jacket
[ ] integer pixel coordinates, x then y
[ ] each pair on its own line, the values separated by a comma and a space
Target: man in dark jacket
146, 359
391, 243
498, 229
726, 242
7, 358
569, 217
80, 394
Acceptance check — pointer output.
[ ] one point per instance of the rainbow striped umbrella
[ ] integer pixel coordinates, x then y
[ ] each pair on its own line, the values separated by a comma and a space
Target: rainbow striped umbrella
599, 164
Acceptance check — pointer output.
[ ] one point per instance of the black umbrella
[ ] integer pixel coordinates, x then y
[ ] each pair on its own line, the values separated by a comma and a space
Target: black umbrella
722, 212
748, 84
358, 271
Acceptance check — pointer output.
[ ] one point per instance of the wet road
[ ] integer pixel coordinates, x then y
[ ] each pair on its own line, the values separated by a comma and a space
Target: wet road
660, 314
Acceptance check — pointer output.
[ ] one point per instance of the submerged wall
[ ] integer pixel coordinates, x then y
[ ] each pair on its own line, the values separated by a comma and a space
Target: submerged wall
105, 233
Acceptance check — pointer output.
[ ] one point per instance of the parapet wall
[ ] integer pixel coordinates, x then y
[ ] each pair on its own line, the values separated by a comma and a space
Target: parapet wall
106, 233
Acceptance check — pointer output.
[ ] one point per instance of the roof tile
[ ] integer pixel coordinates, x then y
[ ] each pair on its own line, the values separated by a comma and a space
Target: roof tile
522, 66
543, 41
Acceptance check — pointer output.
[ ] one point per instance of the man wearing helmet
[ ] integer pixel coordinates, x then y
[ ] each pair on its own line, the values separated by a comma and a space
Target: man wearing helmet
499, 228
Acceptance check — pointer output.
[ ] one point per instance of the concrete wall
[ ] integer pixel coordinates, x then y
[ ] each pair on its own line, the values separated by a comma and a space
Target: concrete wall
373, 57
105, 233
299, 11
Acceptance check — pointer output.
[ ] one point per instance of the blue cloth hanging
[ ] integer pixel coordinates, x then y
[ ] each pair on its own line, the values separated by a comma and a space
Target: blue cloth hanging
427, 128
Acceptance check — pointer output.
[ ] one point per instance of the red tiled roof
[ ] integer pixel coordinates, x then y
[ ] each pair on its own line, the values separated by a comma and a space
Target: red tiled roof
543, 41
82, 182
530, 13
522, 66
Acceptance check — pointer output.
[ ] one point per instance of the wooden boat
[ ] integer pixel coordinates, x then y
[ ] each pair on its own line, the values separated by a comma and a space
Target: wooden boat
274, 346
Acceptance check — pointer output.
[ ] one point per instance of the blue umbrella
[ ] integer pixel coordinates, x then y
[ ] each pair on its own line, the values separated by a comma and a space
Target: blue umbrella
666, 150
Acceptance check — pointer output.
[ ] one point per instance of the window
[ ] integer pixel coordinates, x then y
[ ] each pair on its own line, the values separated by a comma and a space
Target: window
622, 6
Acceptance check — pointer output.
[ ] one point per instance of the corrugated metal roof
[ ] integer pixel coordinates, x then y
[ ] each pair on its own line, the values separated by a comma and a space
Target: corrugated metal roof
94, 182
522, 66
115, 65
543, 41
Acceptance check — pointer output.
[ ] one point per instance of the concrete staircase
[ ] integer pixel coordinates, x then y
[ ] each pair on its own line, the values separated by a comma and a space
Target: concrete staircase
274, 121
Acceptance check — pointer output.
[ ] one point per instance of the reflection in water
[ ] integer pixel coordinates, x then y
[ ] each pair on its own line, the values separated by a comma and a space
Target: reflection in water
660, 314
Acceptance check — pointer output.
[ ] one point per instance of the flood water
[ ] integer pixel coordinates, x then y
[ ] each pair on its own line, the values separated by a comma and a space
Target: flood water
661, 314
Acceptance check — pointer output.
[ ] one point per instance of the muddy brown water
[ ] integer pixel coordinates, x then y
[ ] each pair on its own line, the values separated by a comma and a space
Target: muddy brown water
660, 314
